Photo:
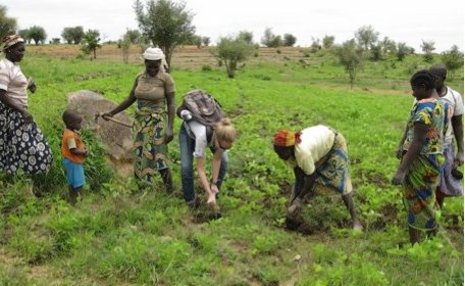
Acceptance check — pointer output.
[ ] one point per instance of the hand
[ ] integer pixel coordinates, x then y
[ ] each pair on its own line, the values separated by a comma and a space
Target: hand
31, 85
399, 178
169, 136
214, 189
27, 117
106, 115
458, 160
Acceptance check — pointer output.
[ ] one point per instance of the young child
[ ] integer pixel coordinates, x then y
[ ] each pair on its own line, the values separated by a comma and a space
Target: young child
422, 156
74, 152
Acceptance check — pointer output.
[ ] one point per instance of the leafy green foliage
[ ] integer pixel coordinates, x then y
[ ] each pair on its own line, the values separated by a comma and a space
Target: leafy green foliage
232, 51
166, 23
7, 24
90, 42
351, 57
73, 34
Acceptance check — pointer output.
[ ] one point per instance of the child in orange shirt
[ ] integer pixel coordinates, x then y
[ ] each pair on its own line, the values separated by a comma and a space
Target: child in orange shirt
74, 152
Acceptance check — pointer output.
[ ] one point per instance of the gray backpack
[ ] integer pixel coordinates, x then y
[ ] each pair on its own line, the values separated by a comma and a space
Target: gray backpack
203, 107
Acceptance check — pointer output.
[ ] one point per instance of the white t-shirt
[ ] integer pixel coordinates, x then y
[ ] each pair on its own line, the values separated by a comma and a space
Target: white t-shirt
198, 132
455, 101
13, 81
316, 142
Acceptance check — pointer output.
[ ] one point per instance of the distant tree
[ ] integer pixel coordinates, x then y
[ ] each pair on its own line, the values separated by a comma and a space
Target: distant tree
315, 45
7, 24
427, 47
402, 51
55, 41
366, 36
376, 52
289, 40
24, 33
231, 51
206, 41
166, 23
197, 41
271, 40
328, 41
246, 36
351, 57
90, 42
388, 46
133, 36
453, 59
73, 34
37, 34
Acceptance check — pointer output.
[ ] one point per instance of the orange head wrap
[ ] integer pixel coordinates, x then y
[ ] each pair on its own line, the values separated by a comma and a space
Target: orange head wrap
286, 138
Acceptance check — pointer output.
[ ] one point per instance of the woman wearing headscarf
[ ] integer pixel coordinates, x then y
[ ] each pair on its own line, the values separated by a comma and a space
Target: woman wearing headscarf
22, 144
154, 94
318, 155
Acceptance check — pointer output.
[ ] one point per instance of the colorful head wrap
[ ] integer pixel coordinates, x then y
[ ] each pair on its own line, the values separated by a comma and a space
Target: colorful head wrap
153, 54
286, 138
11, 40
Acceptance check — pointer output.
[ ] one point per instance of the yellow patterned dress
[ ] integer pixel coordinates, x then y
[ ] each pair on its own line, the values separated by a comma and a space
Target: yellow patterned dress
150, 150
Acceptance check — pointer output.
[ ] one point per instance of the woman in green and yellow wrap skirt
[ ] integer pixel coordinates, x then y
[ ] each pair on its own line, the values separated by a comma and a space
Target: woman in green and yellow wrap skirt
422, 156
153, 91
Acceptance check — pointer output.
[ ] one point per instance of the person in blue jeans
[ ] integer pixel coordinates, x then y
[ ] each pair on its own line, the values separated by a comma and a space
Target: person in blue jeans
194, 139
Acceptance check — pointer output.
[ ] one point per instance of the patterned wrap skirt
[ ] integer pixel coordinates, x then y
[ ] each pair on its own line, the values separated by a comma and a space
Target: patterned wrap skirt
333, 173
420, 184
22, 146
150, 150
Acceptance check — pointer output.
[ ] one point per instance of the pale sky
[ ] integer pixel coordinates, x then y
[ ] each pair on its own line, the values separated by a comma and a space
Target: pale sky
409, 21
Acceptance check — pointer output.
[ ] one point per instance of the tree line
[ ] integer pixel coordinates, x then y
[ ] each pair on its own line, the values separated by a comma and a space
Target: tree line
167, 24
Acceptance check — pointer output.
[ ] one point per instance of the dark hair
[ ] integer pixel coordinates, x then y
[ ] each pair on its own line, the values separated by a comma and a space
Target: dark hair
423, 78
439, 70
69, 115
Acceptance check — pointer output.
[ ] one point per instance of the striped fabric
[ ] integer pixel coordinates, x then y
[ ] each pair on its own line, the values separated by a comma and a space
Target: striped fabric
13, 81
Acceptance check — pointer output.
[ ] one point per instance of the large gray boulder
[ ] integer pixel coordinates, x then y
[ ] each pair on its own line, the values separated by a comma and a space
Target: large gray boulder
116, 137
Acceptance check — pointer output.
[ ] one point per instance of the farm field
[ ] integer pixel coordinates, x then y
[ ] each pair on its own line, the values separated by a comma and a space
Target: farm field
120, 236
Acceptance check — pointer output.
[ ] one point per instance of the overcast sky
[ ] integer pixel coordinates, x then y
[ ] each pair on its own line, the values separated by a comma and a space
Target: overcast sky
409, 21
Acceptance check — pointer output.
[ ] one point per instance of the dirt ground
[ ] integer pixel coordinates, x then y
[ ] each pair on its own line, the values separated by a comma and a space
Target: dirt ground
184, 57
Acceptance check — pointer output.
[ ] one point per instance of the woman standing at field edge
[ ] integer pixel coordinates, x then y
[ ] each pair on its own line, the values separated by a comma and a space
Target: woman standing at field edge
22, 145
422, 156
154, 92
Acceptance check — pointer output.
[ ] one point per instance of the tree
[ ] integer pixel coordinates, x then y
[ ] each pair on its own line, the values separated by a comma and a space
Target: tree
388, 46
37, 34
206, 41
427, 47
91, 42
376, 52
315, 46
328, 42
165, 23
402, 51
7, 24
271, 40
289, 40
55, 41
73, 34
130, 37
366, 36
24, 33
246, 36
133, 36
231, 51
351, 57
453, 59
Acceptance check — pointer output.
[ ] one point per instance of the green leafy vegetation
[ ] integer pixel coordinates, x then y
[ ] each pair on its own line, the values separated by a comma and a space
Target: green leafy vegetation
120, 236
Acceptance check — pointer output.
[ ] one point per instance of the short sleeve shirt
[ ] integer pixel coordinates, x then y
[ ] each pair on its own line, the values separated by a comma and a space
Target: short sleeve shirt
198, 132
71, 140
455, 102
431, 113
13, 81
155, 88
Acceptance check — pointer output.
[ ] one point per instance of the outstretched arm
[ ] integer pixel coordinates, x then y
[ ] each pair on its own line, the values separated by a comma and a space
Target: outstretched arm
171, 112
125, 104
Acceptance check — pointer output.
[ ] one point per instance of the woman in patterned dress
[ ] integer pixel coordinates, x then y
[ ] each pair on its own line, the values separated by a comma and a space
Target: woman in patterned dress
22, 144
318, 155
154, 92
422, 156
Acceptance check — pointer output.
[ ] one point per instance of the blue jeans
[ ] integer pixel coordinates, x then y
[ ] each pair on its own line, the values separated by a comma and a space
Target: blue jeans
187, 146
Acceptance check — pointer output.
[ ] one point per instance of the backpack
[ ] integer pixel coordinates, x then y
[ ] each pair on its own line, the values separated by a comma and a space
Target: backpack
203, 107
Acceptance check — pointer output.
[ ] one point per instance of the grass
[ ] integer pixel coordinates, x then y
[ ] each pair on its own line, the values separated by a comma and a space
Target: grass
117, 236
